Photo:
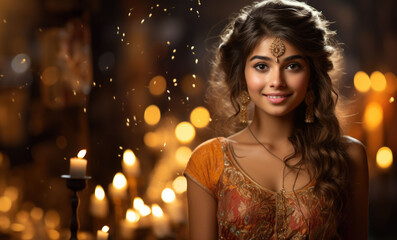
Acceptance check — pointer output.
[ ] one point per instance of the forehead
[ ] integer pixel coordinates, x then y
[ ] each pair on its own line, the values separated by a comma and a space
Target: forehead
263, 47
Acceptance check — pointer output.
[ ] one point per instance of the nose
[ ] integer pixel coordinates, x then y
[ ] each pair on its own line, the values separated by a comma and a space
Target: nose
277, 79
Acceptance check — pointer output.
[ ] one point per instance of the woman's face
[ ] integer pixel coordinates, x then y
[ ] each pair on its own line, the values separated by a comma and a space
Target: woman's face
276, 88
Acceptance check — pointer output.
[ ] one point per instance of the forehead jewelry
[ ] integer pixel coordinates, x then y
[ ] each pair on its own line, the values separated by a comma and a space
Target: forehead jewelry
277, 48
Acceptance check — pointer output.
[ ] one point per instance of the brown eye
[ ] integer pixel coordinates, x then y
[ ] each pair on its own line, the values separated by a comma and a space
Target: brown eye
260, 66
294, 66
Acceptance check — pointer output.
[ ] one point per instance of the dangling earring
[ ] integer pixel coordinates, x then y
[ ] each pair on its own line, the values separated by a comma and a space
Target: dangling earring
244, 99
309, 100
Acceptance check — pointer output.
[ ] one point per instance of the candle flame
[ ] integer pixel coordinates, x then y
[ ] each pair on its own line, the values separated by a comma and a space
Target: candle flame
119, 181
168, 195
157, 211
138, 203
131, 216
99, 193
82, 153
129, 157
105, 228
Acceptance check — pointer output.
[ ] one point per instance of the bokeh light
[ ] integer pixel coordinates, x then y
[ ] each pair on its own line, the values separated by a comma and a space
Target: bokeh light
200, 117
50, 76
157, 85
5, 204
152, 115
362, 82
157, 211
179, 184
378, 81
384, 157
119, 181
99, 193
373, 115
185, 132
168, 195
20, 63
183, 154
151, 139
132, 216
129, 157
391, 81
191, 84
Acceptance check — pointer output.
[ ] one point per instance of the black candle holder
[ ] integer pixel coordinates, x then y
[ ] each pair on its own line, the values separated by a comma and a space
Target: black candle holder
75, 184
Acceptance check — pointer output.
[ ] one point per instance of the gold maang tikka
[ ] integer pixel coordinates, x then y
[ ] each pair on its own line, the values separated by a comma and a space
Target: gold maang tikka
277, 48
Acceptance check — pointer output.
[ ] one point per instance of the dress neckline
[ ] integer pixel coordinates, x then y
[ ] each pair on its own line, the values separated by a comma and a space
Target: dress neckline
226, 143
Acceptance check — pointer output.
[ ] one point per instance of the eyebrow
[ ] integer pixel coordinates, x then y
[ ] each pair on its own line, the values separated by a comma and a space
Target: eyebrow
269, 59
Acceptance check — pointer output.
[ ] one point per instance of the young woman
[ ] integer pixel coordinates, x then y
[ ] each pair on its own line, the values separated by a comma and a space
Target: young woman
287, 172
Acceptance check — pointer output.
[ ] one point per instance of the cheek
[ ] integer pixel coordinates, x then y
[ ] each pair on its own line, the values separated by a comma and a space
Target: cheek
252, 80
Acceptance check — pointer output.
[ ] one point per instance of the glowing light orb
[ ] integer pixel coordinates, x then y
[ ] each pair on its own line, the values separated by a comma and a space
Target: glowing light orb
82, 153
373, 116
105, 228
179, 184
50, 76
391, 81
157, 211
200, 117
5, 204
20, 63
384, 157
185, 132
378, 81
129, 157
151, 139
152, 115
182, 155
362, 82
391, 100
131, 216
119, 181
138, 203
168, 195
99, 193
157, 85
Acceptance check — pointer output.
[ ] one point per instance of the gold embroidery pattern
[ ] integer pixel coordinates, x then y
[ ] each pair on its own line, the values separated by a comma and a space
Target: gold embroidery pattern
248, 211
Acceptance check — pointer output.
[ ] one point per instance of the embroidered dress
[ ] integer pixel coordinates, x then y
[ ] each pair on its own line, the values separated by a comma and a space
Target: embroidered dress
245, 209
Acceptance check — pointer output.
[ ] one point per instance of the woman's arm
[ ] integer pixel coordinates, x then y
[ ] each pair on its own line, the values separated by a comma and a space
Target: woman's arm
202, 213
356, 223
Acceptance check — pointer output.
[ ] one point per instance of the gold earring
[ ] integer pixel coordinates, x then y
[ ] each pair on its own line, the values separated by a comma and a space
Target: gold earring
309, 100
244, 99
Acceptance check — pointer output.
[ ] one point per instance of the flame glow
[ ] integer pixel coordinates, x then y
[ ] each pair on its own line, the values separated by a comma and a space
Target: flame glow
82, 153
99, 193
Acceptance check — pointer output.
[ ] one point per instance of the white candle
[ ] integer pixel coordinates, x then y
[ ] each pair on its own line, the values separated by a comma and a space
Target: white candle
77, 167
99, 203
118, 189
102, 235
129, 224
130, 164
160, 221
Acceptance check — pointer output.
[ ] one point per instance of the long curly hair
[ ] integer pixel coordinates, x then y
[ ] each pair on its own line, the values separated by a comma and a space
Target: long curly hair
321, 144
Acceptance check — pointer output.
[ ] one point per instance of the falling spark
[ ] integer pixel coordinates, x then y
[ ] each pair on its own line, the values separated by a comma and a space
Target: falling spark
168, 43
165, 9
192, 47
143, 20
194, 76
169, 98
391, 100
134, 117
85, 110
111, 79
196, 61
121, 147
94, 84
23, 60
118, 28
175, 84
114, 97
123, 34
199, 2
191, 9
4, 21
187, 98
168, 91
174, 80
193, 85
173, 57
157, 5
150, 15
165, 144
129, 14
174, 51
74, 92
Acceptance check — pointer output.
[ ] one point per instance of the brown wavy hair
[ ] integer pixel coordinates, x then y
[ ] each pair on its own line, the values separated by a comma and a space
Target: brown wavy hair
321, 144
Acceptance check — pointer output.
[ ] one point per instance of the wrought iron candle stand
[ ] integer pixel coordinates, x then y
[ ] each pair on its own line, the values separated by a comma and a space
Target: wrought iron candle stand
75, 184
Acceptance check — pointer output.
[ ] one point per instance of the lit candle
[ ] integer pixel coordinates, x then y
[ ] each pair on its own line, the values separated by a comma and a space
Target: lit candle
130, 164
144, 211
118, 189
103, 234
99, 203
173, 205
78, 165
160, 222
129, 224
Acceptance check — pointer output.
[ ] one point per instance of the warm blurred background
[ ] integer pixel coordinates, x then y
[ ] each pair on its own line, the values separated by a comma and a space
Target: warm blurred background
125, 80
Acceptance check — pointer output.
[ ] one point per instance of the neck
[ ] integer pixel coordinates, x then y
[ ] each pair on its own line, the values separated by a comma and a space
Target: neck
269, 128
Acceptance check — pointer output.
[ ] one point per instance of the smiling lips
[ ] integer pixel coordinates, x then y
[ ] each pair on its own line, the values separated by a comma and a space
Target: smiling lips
277, 98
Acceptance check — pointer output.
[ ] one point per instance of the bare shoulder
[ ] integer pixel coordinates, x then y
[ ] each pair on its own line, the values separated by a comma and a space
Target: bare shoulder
357, 154
356, 151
